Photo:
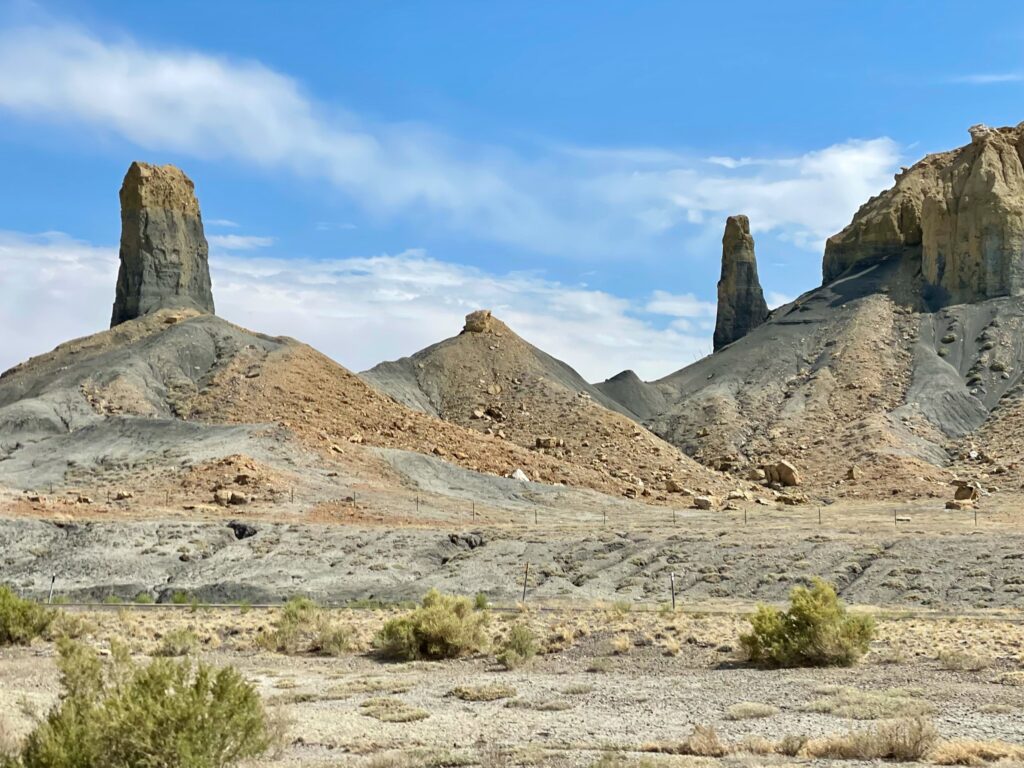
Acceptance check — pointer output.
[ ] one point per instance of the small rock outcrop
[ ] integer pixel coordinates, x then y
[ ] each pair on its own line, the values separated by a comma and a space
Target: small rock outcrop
482, 321
741, 304
164, 253
958, 216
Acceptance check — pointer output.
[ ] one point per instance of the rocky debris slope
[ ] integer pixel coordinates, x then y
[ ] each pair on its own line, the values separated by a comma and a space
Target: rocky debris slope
957, 217
164, 254
491, 381
741, 304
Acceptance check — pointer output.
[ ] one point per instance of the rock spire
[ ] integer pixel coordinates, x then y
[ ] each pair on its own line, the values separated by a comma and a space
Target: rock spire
741, 305
164, 254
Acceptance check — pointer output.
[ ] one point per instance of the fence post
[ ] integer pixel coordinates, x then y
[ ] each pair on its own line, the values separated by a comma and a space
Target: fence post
526, 576
672, 580
49, 598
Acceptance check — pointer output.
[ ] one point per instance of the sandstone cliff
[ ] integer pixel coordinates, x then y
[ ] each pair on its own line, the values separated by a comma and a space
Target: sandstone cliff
164, 254
957, 216
741, 305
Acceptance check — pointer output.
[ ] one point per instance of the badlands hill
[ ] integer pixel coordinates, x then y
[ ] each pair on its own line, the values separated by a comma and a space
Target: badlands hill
175, 406
901, 372
493, 382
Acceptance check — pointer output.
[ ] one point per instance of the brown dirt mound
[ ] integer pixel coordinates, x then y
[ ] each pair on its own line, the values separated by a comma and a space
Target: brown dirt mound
336, 412
489, 380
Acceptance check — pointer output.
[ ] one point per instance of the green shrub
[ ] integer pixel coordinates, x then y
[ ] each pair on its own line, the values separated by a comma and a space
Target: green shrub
180, 598
178, 642
480, 602
166, 714
443, 627
816, 631
21, 621
518, 647
144, 598
303, 626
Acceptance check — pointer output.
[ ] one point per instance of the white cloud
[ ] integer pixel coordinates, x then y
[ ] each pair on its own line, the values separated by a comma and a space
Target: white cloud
221, 223
239, 242
804, 198
359, 311
52, 289
775, 299
991, 78
684, 305
582, 202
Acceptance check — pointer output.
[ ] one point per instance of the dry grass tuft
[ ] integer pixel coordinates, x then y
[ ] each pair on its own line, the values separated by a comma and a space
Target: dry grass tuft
750, 710
907, 740
870, 705
483, 692
963, 661
541, 705
970, 752
391, 710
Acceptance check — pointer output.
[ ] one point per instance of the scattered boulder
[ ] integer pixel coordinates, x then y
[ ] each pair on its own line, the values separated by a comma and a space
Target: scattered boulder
781, 472
966, 490
704, 502
674, 486
164, 254
242, 530
123, 495
756, 475
741, 304
854, 473
962, 504
518, 474
467, 540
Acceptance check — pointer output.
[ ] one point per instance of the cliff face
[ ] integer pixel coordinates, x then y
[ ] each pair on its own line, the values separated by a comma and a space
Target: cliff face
164, 254
741, 305
960, 214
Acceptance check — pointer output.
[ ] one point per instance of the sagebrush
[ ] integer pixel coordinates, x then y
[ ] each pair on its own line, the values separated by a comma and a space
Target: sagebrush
22, 621
442, 627
518, 647
164, 714
816, 631
303, 626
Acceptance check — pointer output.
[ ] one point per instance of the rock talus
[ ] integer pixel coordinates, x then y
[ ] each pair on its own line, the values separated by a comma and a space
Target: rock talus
741, 304
957, 215
164, 254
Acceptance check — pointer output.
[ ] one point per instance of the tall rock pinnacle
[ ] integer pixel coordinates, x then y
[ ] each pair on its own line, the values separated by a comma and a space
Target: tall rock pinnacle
164, 254
741, 305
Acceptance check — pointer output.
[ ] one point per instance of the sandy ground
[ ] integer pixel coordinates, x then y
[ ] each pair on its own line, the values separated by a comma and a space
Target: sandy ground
588, 696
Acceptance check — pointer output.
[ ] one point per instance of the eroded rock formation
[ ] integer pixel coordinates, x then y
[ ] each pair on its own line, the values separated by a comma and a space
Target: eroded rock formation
959, 214
164, 254
741, 305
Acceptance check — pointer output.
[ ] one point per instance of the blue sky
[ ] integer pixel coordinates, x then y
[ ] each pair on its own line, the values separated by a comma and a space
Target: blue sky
371, 171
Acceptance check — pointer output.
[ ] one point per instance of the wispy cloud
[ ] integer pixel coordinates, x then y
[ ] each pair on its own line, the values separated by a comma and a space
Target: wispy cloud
240, 242
602, 202
228, 223
331, 226
990, 78
357, 310
676, 305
